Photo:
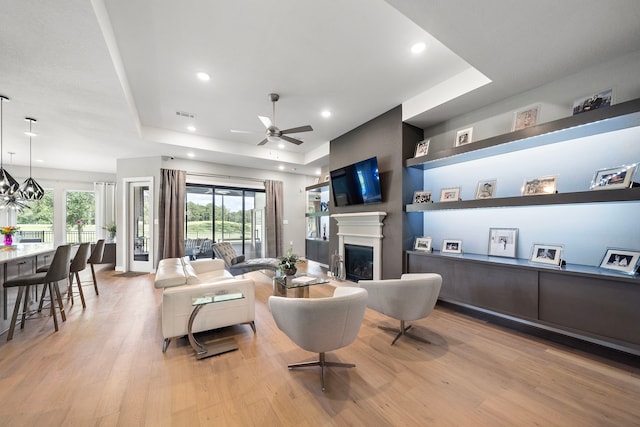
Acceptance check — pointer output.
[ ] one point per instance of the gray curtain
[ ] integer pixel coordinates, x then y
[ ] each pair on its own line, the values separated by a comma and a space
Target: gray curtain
173, 185
274, 217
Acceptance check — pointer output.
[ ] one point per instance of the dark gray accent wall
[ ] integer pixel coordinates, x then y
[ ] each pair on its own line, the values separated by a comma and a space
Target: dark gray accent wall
391, 141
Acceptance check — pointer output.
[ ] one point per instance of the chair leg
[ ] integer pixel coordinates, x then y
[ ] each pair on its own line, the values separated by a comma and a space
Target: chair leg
70, 289
44, 292
165, 344
95, 282
403, 331
59, 298
79, 289
25, 307
14, 317
53, 308
322, 363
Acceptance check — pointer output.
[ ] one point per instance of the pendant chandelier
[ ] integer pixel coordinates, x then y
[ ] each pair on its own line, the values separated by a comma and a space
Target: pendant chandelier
8, 185
30, 189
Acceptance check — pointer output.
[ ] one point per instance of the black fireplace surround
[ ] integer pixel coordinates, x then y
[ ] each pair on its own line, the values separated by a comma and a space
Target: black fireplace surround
358, 261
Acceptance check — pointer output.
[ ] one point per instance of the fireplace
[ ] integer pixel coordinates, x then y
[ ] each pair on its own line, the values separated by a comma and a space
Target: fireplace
358, 262
364, 230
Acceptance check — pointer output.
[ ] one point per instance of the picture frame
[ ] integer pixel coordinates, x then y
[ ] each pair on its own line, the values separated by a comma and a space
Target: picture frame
327, 178
622, 260
542, 185
422, 148
423, 244
600, 99
464, 136
317, 180
614, 178
503, 242
542, 253
450, 194
422, 197
526, 117
450, 246
486, 189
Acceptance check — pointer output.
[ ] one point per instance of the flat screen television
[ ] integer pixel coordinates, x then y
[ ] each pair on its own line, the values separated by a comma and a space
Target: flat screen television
356, 184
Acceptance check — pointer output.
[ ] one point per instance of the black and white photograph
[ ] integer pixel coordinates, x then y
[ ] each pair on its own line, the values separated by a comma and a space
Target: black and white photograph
593, 102
422, 244
536, 186
486, 189
503, 242
464, 136
622, 260
422, 197
546, 254
614, 178
450, 194
422, 148
451, 246
526, 117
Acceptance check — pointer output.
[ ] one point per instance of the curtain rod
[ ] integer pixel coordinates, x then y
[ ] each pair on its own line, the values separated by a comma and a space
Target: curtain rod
214, 175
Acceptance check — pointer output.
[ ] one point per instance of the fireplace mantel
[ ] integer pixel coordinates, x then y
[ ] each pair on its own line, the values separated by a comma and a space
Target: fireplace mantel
365, 229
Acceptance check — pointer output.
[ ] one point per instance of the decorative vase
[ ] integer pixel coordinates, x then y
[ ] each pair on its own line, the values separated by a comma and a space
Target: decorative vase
8, 239
290, 271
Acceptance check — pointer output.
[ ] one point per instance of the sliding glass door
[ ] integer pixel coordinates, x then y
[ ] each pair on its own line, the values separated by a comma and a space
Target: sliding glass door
215, 214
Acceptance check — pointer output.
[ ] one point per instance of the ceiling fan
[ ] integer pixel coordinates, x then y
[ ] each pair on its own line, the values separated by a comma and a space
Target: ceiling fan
273, 133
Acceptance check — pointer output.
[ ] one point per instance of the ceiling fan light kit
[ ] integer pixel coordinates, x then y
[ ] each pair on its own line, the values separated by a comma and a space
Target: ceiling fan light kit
274, 134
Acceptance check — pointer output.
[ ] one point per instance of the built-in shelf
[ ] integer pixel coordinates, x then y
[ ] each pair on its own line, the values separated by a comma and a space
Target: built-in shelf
616, 117
317, 186
599, 196
317, 214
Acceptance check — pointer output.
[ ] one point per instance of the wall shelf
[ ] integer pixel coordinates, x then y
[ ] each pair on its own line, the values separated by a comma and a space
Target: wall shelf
619, 116
600, 196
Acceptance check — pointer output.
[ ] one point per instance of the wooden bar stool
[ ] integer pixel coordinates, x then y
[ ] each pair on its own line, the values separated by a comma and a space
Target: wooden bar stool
59, 270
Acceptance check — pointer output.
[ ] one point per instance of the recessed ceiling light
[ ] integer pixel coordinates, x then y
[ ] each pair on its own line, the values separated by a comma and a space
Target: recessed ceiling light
318, 172
203, 76
190, 154
281, 145
281, 167
191, 128
39, 160
418, 47
326, 114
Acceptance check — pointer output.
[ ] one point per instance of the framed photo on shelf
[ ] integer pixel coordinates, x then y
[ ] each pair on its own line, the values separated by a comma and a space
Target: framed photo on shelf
464, 136
451, 246
503, 242
450, 194
546, 254
536, 186
526, 117
593, 102
486, 189
614, 178
327, 178
422, 244
422, 148
623, 260
422, 197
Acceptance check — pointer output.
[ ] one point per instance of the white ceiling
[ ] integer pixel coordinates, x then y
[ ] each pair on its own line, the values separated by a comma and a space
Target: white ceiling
105, 78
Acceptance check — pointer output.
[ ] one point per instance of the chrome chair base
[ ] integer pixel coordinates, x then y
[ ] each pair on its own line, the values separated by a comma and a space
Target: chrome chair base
403, 331
322, 363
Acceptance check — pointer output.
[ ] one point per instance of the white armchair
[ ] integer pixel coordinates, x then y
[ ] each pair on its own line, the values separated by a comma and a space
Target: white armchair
411, 297
321, 324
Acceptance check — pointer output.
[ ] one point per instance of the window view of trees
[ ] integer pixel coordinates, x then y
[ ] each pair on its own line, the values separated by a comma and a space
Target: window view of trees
81, 225
36, 222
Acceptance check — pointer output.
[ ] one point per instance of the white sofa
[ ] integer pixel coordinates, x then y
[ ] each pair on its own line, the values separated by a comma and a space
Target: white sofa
182, 280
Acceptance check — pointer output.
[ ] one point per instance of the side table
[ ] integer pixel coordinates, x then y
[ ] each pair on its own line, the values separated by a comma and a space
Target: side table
216, 347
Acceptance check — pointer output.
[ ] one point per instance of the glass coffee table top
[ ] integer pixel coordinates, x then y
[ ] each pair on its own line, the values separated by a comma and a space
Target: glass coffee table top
299, 282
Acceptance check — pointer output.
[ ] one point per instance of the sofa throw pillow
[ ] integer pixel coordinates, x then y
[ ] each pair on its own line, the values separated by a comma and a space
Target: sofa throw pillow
238, 259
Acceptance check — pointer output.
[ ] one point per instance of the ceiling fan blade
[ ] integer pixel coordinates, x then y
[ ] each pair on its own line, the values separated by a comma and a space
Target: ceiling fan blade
266, 121
306, 128
288, 138
264, 141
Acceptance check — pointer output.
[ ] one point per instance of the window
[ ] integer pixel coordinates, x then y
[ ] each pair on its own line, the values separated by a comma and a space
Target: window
234, 215
81, 224
36, 223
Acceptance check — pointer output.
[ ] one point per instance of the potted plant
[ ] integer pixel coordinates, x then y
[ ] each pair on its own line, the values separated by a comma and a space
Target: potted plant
8, 233
111, 229
288, 262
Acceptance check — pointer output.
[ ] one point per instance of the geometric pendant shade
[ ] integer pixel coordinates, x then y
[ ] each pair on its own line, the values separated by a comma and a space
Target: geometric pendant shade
30, 189
8, 185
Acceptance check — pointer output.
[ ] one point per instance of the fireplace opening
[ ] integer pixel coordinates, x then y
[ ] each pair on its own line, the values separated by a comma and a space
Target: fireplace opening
358, 261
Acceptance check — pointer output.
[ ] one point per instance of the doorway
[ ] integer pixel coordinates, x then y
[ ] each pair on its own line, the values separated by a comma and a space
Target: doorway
139, 229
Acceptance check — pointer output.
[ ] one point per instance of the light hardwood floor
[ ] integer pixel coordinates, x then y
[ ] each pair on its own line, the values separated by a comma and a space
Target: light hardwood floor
105, 367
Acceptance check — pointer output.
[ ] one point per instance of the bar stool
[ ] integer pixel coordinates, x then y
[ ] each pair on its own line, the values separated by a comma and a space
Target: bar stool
59, 270
78, 264
96, 258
